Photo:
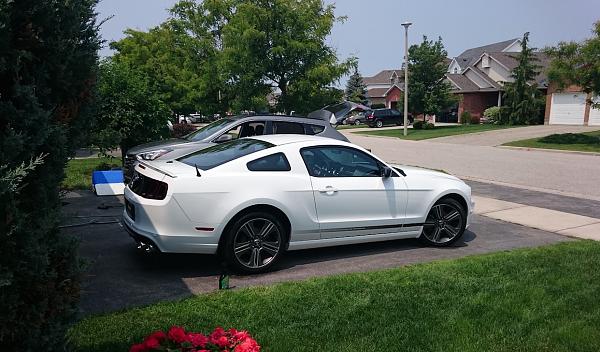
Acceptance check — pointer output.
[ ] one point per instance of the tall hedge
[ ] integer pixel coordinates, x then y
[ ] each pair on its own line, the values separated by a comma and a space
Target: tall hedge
48, 59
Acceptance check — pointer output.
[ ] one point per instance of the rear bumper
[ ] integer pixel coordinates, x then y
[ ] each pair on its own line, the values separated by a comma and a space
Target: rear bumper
163, 224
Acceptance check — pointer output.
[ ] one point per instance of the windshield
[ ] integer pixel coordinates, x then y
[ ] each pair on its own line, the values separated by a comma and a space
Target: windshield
220, 154
208, 130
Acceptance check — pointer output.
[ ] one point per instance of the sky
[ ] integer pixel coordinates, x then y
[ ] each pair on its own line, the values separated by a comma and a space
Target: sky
372, 30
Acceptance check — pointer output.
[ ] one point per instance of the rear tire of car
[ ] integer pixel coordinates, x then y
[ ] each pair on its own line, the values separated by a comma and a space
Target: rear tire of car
356, 123
254, 243
445, 223
378, 123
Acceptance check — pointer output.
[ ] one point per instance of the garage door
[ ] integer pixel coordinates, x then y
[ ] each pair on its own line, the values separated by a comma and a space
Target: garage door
567, 108
595, 114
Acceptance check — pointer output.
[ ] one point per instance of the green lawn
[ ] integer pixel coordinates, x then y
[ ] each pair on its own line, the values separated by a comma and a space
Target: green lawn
442, 131
543, 299
78, 173
537, 143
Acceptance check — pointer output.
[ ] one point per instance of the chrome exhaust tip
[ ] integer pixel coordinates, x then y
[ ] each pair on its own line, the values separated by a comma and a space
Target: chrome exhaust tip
146, 248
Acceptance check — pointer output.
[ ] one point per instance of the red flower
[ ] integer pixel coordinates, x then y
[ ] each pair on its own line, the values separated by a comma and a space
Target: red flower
140, 347
159, 335
152, 343
177, 334
197, 340
249, 345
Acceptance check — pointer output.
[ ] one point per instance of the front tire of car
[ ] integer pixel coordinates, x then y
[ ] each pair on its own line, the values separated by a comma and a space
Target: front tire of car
445, 223
254, 243
378, 123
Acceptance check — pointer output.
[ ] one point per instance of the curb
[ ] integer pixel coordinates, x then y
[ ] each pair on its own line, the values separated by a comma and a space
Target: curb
549, 150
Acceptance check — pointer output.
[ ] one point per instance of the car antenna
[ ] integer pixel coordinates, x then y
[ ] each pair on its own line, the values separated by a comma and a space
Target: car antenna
197, 171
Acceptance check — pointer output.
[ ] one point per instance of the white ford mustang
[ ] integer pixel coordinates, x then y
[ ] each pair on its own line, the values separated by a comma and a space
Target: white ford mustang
252, 199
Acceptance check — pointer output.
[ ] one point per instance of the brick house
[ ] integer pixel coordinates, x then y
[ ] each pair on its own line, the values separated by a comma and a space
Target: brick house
478, 75
385, 87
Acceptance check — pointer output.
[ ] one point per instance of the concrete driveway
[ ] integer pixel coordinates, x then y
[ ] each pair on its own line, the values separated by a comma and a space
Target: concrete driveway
498, 137
574, 175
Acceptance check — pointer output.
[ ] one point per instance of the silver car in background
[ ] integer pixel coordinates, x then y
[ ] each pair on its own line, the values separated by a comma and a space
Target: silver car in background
228, 129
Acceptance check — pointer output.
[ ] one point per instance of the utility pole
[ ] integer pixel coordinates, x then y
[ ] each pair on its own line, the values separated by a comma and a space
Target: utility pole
406, 25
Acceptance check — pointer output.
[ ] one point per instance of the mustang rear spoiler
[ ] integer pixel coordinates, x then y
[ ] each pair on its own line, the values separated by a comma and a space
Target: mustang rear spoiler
144, 165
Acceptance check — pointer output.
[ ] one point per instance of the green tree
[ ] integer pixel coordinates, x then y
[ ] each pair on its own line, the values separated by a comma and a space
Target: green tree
130, 110
577, 63
172, 61
428, 91
356, 90
281, 45
522, 98
48, 55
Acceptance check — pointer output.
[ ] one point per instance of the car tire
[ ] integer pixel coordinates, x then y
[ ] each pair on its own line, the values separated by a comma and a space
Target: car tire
356, 123
445, 223
247, 250
378, 123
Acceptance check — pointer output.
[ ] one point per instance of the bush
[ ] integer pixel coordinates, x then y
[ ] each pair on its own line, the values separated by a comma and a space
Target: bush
570, 138
178, 340
47, 70
378, 106
182, 129
418, 125
492, 114
465, 118
428, 126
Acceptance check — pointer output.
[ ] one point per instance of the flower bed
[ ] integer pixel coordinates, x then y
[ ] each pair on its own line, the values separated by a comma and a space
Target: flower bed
177, 339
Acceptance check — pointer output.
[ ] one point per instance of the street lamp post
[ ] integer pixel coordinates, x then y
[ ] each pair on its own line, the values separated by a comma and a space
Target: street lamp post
406, 25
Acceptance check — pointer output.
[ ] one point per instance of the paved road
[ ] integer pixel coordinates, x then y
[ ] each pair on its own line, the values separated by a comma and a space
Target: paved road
567, 174
118, 277
498, 137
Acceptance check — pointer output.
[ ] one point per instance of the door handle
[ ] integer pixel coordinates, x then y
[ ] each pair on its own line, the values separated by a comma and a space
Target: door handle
329, 190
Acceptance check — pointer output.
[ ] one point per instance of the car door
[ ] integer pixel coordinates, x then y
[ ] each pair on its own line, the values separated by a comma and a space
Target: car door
351, 196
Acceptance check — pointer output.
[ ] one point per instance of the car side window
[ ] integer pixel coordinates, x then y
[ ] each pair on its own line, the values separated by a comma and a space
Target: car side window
285, 127
274, 162
311, 130
335, 161
248, 129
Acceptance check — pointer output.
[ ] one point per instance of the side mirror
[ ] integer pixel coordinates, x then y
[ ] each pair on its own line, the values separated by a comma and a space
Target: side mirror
386, 172
224, 138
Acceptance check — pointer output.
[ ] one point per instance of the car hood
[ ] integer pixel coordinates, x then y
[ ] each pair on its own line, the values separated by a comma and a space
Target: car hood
166, 143
419, 171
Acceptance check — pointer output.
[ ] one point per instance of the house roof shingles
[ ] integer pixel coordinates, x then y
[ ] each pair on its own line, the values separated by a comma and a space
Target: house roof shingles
382, 77
469, 56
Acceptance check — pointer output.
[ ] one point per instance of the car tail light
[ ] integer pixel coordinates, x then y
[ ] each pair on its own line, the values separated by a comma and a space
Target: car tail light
147, 187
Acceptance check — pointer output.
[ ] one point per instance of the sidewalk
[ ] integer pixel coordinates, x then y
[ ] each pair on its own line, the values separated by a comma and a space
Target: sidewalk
562, 223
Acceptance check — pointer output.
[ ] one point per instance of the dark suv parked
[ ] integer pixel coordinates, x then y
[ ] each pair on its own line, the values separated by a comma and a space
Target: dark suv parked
228, 129
383, 117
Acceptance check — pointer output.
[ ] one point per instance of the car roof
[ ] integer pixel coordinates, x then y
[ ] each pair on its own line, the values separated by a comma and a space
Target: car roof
280, 139
276, 117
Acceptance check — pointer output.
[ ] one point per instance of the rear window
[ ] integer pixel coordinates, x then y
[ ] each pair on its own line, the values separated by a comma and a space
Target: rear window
284, 127
214, 156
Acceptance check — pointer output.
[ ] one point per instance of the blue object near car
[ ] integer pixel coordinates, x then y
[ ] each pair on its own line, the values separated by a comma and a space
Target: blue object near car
107, 183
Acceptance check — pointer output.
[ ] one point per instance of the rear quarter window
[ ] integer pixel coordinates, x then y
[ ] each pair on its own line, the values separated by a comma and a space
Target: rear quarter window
274, 162
311, 129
